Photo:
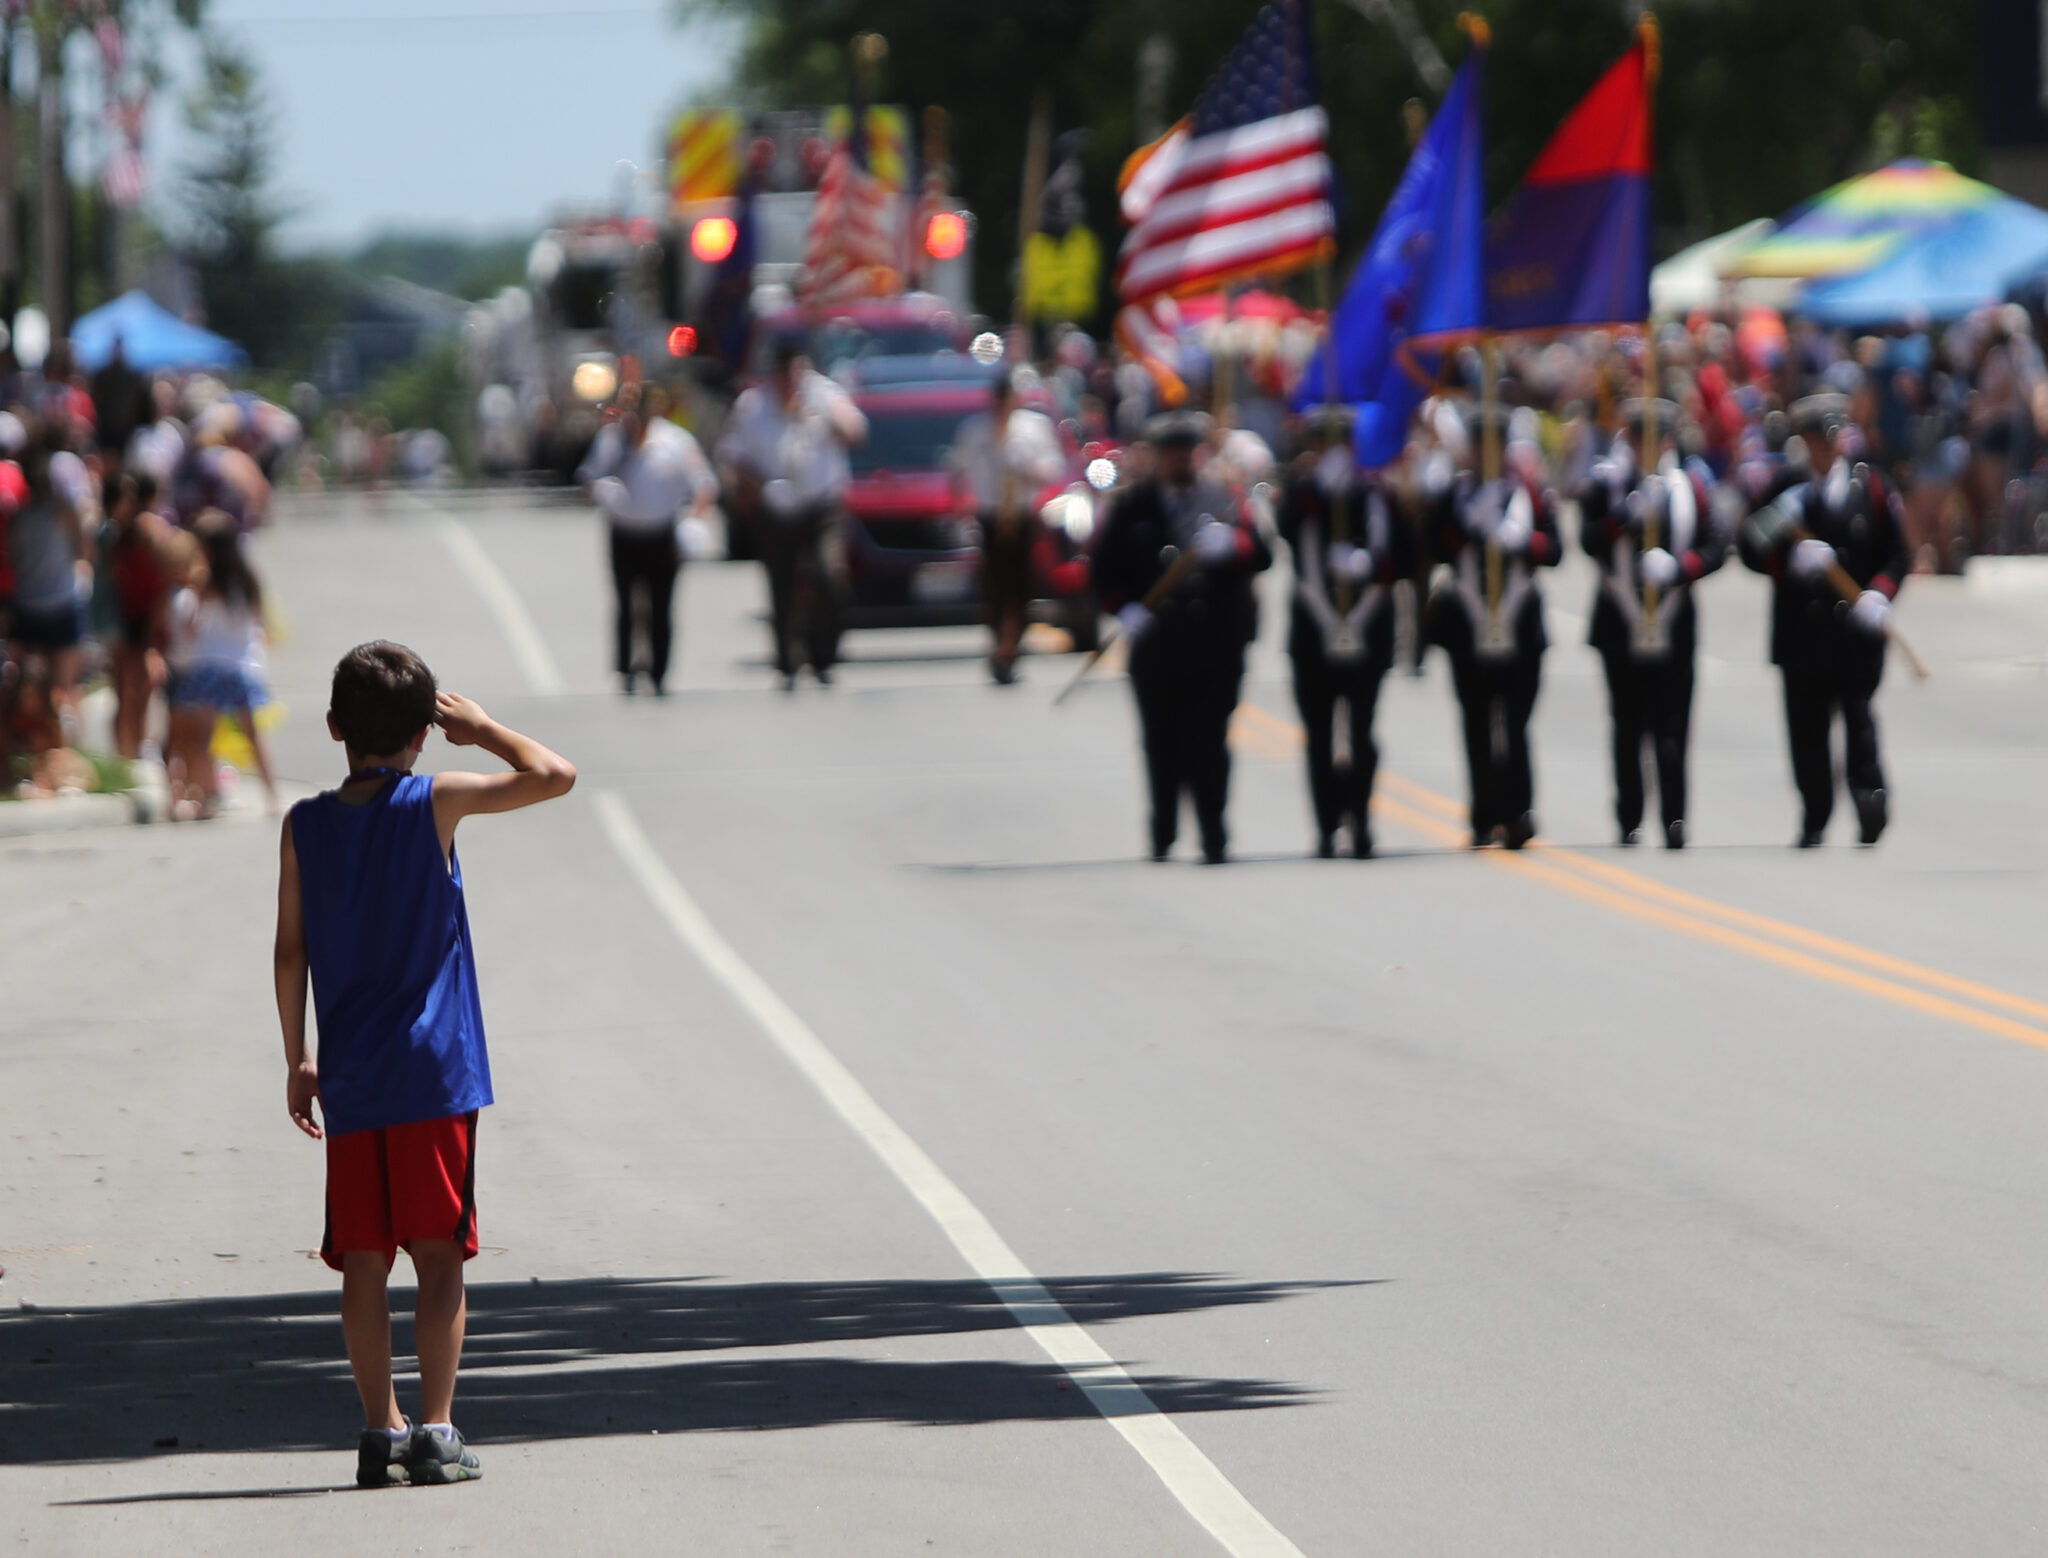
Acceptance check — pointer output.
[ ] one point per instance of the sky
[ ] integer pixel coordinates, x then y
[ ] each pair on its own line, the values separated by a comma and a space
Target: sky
482, 116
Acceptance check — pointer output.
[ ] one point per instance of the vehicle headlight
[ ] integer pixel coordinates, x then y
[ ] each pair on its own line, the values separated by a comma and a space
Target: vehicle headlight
594, 380
1102, 473
1073, 512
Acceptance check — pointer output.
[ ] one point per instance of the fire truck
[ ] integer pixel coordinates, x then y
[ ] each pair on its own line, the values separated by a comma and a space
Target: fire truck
652, 293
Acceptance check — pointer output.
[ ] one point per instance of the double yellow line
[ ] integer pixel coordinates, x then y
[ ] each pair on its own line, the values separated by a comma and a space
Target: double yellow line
1642, 898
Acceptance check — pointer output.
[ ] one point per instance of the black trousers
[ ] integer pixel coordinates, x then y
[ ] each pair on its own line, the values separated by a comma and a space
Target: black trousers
1651, 701
1184, 713
1005, 580
1495, 699
1338, 793
803, 587
1811, 702
644, 567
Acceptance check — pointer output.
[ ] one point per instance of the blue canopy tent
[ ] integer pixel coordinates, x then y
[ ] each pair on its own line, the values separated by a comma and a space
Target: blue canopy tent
1974, 258
151, 337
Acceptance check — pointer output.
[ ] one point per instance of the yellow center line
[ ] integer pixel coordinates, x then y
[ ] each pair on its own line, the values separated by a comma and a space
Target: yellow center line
1640, 897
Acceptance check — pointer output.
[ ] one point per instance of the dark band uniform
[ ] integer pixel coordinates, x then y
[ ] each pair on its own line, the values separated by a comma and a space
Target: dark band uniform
1341, 635
1647, 637
1832, 656
1495, 640
1187, 663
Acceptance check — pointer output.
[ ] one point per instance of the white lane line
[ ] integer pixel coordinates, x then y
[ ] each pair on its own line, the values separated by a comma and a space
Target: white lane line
1189, 1475
536, 661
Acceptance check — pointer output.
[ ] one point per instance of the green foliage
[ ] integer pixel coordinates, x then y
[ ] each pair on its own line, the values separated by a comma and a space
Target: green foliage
1763, 102
473, 268
426, 392
278, 309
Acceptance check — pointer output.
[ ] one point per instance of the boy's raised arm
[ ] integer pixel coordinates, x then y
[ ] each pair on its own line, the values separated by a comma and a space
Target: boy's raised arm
289, 961
537, 774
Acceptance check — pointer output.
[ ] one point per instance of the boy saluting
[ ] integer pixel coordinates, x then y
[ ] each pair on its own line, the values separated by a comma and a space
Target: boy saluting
370, 907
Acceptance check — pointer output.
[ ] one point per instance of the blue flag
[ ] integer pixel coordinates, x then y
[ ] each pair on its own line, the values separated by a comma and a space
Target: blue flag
1420, 283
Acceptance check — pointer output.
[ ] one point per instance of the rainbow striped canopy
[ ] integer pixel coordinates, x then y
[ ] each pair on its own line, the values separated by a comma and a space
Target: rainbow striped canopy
1859, 223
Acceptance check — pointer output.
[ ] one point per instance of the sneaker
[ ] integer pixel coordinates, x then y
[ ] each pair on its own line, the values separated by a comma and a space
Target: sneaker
435, 1457
1674, 833
380, 1459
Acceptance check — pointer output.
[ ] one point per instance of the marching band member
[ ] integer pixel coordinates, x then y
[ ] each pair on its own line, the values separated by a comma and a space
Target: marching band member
1175, 564
1648, 519
1493, 535
1834, 547
1350, 544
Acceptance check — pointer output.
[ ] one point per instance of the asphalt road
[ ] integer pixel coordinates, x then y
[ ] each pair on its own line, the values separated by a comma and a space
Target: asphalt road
1577, 1202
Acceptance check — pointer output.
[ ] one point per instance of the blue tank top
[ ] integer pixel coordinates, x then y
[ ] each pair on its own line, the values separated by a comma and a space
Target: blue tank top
394, 977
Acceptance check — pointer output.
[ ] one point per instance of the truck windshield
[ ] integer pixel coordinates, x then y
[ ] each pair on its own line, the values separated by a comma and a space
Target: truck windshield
908, 440
579, 293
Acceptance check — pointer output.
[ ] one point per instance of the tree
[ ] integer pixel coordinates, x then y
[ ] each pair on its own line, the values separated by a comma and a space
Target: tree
277, 309
1763, 102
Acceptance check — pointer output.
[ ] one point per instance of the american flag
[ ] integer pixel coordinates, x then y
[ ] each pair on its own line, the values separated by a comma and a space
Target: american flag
1241, 187
850, 252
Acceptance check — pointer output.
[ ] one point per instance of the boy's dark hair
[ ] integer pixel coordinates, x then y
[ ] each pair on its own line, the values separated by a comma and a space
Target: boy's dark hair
383, 696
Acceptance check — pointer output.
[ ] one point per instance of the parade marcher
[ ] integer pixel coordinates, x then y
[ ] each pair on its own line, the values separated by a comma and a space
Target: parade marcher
1488, 618
787, 439
1005, 456
642, 471
1834, 546
1654, 532
1350, 545
1187, 644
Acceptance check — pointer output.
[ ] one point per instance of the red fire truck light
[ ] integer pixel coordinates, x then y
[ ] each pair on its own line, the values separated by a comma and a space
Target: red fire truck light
945, 235
682, 341
711, 240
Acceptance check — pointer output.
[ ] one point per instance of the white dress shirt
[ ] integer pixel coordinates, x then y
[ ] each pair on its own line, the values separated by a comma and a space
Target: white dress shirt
1029, 449
799, 455
644, 489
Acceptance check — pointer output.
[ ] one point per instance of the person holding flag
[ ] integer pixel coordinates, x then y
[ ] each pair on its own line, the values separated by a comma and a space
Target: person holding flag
1350, 544
1493, 529
1239, 188
1648, 520
1175, 563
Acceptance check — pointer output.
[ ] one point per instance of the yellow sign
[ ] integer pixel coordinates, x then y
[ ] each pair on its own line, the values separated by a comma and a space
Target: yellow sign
705, 155
888, 141
1062, 276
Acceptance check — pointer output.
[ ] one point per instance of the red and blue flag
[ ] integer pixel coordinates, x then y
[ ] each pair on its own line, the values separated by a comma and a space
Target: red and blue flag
1571, 248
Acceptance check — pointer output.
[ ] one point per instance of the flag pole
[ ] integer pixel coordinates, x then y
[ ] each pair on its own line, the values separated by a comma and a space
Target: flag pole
1653, 454
1489, 459
1339, 530
1037, 151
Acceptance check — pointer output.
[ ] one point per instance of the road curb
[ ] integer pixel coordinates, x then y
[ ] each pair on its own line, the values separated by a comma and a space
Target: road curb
64, 813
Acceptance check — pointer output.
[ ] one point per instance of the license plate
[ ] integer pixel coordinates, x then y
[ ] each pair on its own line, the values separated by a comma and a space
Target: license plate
935, 584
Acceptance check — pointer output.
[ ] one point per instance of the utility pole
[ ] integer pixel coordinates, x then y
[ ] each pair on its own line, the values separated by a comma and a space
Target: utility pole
54, 214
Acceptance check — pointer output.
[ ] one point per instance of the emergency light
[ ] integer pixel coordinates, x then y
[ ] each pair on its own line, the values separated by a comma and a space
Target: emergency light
945, 235
711, 240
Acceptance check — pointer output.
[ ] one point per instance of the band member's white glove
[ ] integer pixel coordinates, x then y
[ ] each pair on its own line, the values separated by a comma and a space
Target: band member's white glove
1216, 542
1512, 535
1345, 561
1871, 612
1660, 568
1135, 620
1809, 559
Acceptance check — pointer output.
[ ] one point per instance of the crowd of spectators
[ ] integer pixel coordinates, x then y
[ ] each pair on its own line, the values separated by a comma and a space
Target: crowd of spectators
124, 501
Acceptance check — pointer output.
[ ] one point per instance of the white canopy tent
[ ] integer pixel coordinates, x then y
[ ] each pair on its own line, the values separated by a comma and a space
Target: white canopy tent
1692, 278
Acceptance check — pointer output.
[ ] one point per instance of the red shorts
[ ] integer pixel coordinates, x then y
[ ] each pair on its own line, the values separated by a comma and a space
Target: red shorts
390, 1186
